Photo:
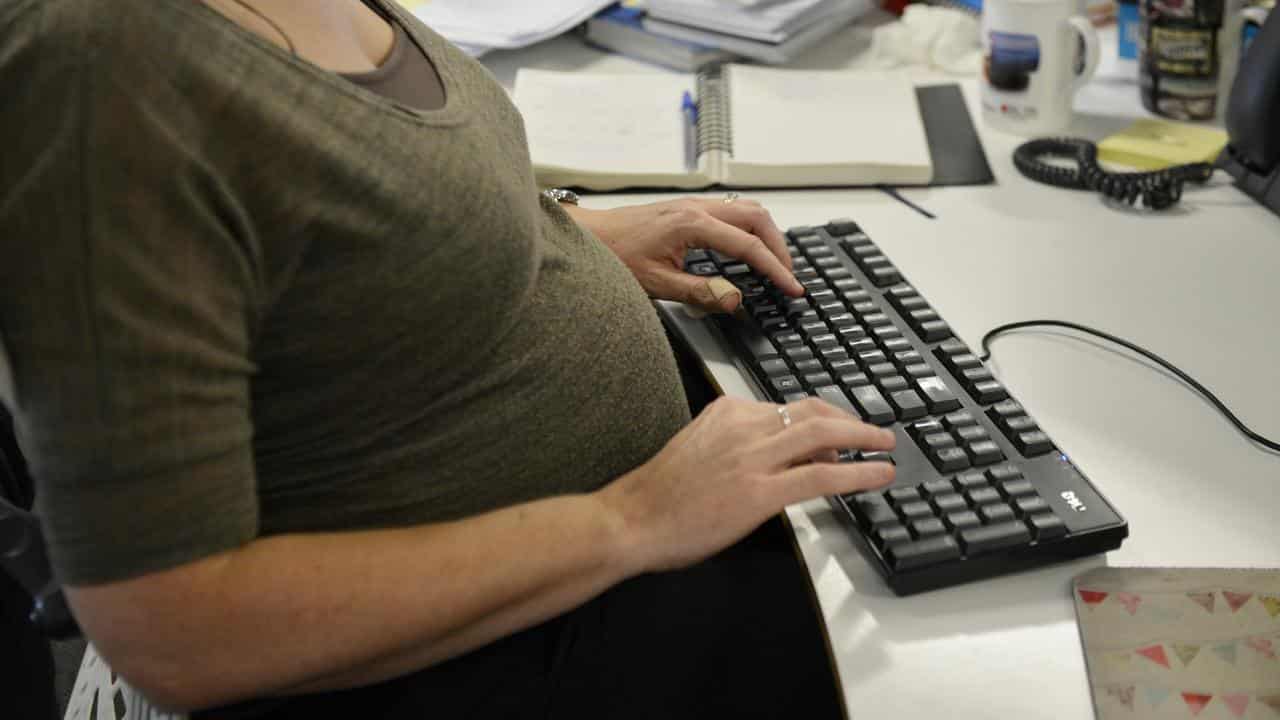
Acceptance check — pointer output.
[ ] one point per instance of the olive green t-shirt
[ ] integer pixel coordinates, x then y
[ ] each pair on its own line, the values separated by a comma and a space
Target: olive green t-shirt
241, 296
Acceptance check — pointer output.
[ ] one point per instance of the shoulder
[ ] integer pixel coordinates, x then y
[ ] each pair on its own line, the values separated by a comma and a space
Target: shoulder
120, 39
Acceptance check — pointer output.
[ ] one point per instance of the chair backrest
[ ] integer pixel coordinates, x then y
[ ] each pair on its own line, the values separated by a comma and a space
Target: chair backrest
22, 546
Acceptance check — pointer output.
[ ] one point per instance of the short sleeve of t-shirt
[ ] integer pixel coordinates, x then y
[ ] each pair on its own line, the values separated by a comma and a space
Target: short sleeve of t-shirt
128, 290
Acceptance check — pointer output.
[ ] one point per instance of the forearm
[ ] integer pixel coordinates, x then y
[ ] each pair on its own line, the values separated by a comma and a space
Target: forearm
303, 613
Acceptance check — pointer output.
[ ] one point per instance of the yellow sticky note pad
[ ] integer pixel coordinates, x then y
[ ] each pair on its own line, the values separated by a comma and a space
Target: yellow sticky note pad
1153, 144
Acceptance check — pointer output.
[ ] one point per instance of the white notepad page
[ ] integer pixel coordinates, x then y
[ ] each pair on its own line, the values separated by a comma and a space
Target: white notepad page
784, 118
607, 125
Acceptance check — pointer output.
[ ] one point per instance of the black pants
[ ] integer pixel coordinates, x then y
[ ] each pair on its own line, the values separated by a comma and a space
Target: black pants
736, 636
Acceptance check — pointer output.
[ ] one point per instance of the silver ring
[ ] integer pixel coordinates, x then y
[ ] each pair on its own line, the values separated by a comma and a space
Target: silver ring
730, 197
785, 415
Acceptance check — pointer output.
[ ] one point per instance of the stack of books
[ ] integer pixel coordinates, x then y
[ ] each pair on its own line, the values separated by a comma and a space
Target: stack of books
770, 31
688, 34
620, 28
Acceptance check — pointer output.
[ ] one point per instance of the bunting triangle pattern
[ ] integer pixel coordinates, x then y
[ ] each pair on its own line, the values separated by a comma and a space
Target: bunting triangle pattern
1196, 702
1271, 603
1186, 653
1264, 646
1154, 653
1156, 695
1130, 601
1236, 703
1203, 599
1236, 600
1226, 651
1123, 694
1092, 597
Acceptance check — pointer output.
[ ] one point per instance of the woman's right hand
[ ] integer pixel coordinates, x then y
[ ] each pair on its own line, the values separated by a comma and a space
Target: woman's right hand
731, 469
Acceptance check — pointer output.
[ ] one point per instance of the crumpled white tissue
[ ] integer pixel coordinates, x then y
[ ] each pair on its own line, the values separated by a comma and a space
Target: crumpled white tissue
942, 38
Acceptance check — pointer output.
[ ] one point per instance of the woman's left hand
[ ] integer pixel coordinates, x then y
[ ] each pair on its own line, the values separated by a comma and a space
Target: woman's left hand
652, 241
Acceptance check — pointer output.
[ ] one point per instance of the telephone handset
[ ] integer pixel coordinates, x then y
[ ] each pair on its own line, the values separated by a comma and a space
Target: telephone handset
1252, 154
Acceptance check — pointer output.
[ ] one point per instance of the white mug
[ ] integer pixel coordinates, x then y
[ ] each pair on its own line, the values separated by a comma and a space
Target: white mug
1033, 64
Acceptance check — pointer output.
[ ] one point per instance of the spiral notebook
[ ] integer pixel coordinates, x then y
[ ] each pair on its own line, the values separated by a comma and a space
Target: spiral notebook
755, 127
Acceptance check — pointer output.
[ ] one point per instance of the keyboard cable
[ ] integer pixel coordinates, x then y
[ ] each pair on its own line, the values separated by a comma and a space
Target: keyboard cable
1202, 390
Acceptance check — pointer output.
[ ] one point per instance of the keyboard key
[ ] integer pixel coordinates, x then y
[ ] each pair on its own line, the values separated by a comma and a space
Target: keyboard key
891, 384
1030, 506
876, 456
1019, 424
732, 271
775, 367
794, 397
908, 303
934, 488
982, 496
995, 513
884, 275
946, 504
786, 384
936, 441
823, 296
811, 365
974, 375
926, 551
916, 510
876, 318
901, 495
787, 339
705, 269
873, 511
843, 320
954, 346
924, 427
957, 419
760, 347
884, 333
871, 404
972, 433
824, 340
891, 535
927, 527
988, 391
1003, 473
842, 366
796, 354
833, 354
836, 396
842, 226
1017, 488
854, 379
985, 452
881, 369
961, 520
934, 330
987, 538
1047, 526
1033, 443
895, 344
907, 404
970, 481
919, 371
818, 379
950, 459
1004, 410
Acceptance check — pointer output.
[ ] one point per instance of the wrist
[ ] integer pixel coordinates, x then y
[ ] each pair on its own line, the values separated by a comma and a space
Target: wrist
624, 544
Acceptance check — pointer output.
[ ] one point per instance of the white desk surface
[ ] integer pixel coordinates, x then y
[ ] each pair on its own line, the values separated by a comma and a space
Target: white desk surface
1199, 285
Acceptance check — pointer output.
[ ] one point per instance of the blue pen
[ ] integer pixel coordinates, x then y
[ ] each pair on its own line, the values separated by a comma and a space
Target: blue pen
690, 110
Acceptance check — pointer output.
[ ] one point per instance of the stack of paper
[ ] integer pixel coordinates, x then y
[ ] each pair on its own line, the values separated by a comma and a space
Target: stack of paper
478, 25
768, 31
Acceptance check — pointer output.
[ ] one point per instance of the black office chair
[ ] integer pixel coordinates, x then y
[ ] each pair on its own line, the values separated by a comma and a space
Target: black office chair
26, 579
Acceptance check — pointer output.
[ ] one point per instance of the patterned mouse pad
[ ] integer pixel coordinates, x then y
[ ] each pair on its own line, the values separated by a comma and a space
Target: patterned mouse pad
1181, 643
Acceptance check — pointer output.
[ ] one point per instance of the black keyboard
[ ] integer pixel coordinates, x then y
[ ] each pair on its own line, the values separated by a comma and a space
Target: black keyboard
981, 489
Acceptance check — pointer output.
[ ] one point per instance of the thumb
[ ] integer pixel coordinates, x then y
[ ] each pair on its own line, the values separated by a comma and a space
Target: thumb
714, 295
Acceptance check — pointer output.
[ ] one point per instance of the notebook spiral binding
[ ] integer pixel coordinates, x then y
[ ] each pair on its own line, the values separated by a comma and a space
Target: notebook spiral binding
714, 132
